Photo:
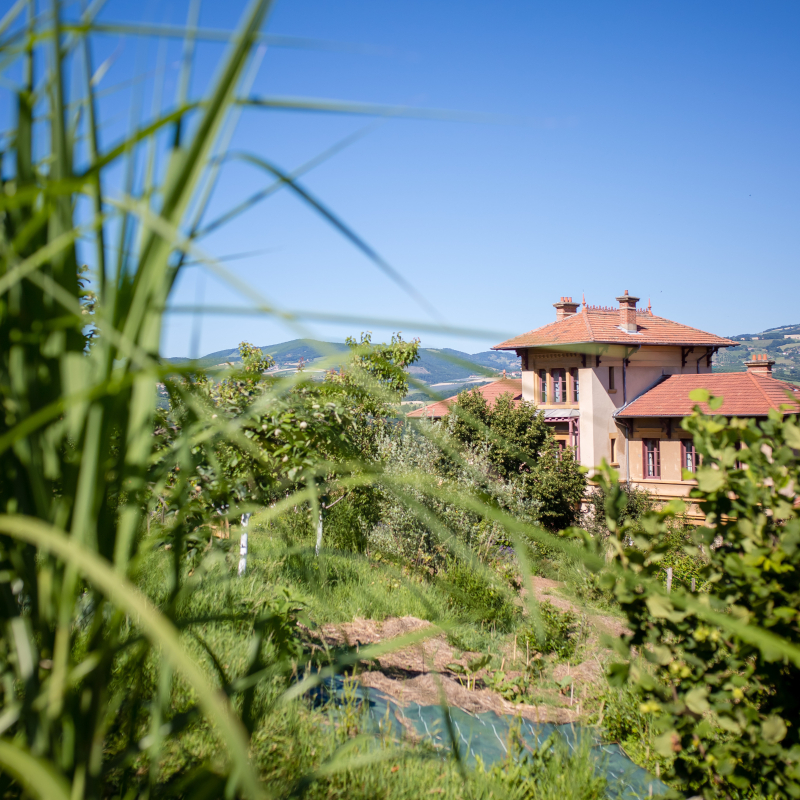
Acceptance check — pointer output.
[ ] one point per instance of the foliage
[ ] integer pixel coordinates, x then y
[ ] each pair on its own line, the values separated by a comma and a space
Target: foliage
376, 373
520, 445
281, 433
632, 504
720, 687
560, 632
78, 374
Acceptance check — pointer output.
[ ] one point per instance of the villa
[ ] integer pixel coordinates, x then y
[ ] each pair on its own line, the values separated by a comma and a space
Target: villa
614, 383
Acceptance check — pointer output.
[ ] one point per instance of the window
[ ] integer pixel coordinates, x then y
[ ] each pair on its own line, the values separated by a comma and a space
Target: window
613, 451
543, 385
652, 458
611, 385
559, 386
574, 373
688, 455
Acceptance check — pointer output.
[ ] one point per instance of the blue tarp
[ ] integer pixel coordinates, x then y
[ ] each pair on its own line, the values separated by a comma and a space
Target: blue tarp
487, 734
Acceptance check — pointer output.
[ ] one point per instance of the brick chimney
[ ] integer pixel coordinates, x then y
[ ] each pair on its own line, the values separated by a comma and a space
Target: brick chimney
627, 312
565, 308
760, 365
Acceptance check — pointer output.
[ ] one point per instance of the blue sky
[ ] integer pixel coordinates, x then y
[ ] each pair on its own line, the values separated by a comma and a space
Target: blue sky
648, 146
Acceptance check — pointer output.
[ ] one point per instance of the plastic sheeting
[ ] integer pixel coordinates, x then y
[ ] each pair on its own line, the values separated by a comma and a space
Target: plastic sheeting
487, 734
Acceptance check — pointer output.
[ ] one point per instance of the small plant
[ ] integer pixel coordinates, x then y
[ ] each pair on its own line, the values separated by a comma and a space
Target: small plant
560, 633
515, 689
470, 671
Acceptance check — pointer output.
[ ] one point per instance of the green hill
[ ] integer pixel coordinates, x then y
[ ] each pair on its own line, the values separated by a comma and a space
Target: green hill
436, 365
779, 343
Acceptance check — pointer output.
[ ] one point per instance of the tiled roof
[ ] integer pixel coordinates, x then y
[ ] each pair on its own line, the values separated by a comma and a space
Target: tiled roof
601, 325
745, 395
491, 391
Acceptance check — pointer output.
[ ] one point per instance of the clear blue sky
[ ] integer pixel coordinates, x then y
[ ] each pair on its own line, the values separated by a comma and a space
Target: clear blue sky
653, 147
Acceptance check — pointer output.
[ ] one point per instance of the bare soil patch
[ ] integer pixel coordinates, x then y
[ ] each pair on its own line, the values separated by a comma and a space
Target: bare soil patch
419, 673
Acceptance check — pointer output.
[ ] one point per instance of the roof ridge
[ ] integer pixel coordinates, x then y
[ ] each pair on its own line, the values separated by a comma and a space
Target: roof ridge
761, 389
588, 324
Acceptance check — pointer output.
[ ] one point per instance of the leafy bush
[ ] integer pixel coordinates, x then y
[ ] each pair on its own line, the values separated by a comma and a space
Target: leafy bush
560, 632
723, 665
520, 445
631, 504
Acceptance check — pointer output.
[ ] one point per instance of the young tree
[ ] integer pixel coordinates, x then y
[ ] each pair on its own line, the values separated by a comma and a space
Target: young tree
521, 446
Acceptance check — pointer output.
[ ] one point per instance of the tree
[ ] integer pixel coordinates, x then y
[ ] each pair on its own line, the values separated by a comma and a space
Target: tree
520, 443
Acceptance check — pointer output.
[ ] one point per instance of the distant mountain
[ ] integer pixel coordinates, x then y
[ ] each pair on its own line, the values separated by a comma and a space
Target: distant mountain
781, 343
436, 365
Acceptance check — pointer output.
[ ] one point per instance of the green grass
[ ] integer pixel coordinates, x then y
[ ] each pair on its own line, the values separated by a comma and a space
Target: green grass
291, 743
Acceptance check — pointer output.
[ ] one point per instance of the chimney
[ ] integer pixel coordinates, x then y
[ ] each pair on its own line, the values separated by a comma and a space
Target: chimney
565, 308
760, 365
627, 312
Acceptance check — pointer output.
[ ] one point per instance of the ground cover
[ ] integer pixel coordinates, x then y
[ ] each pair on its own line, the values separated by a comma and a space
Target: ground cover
348, 601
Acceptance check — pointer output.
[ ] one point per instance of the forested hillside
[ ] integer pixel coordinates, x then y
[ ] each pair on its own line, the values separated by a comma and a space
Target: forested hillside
781, 344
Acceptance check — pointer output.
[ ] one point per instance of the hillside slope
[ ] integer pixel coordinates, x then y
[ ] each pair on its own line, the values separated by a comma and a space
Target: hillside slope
781, 343
435, 365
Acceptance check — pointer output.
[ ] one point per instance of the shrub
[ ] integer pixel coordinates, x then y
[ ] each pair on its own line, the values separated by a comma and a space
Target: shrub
721, 687
520, 445
560, 632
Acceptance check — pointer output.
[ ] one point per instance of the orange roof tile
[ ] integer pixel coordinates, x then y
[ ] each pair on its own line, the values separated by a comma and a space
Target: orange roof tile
602, 325
745, 395
491, 391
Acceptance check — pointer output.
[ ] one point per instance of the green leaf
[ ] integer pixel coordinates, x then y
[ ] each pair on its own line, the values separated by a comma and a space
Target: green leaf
618, 674
773, 729
697, 700
710, 480
791, 433
667, 744
660, 606
35, 775
699, 395
156, 627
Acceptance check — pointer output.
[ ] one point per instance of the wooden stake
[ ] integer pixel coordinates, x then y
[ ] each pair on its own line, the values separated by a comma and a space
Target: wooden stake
515, 650
669, 579
693, 583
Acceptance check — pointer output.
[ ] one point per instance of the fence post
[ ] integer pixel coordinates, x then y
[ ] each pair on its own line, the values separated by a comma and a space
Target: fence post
243, 545
669, 579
